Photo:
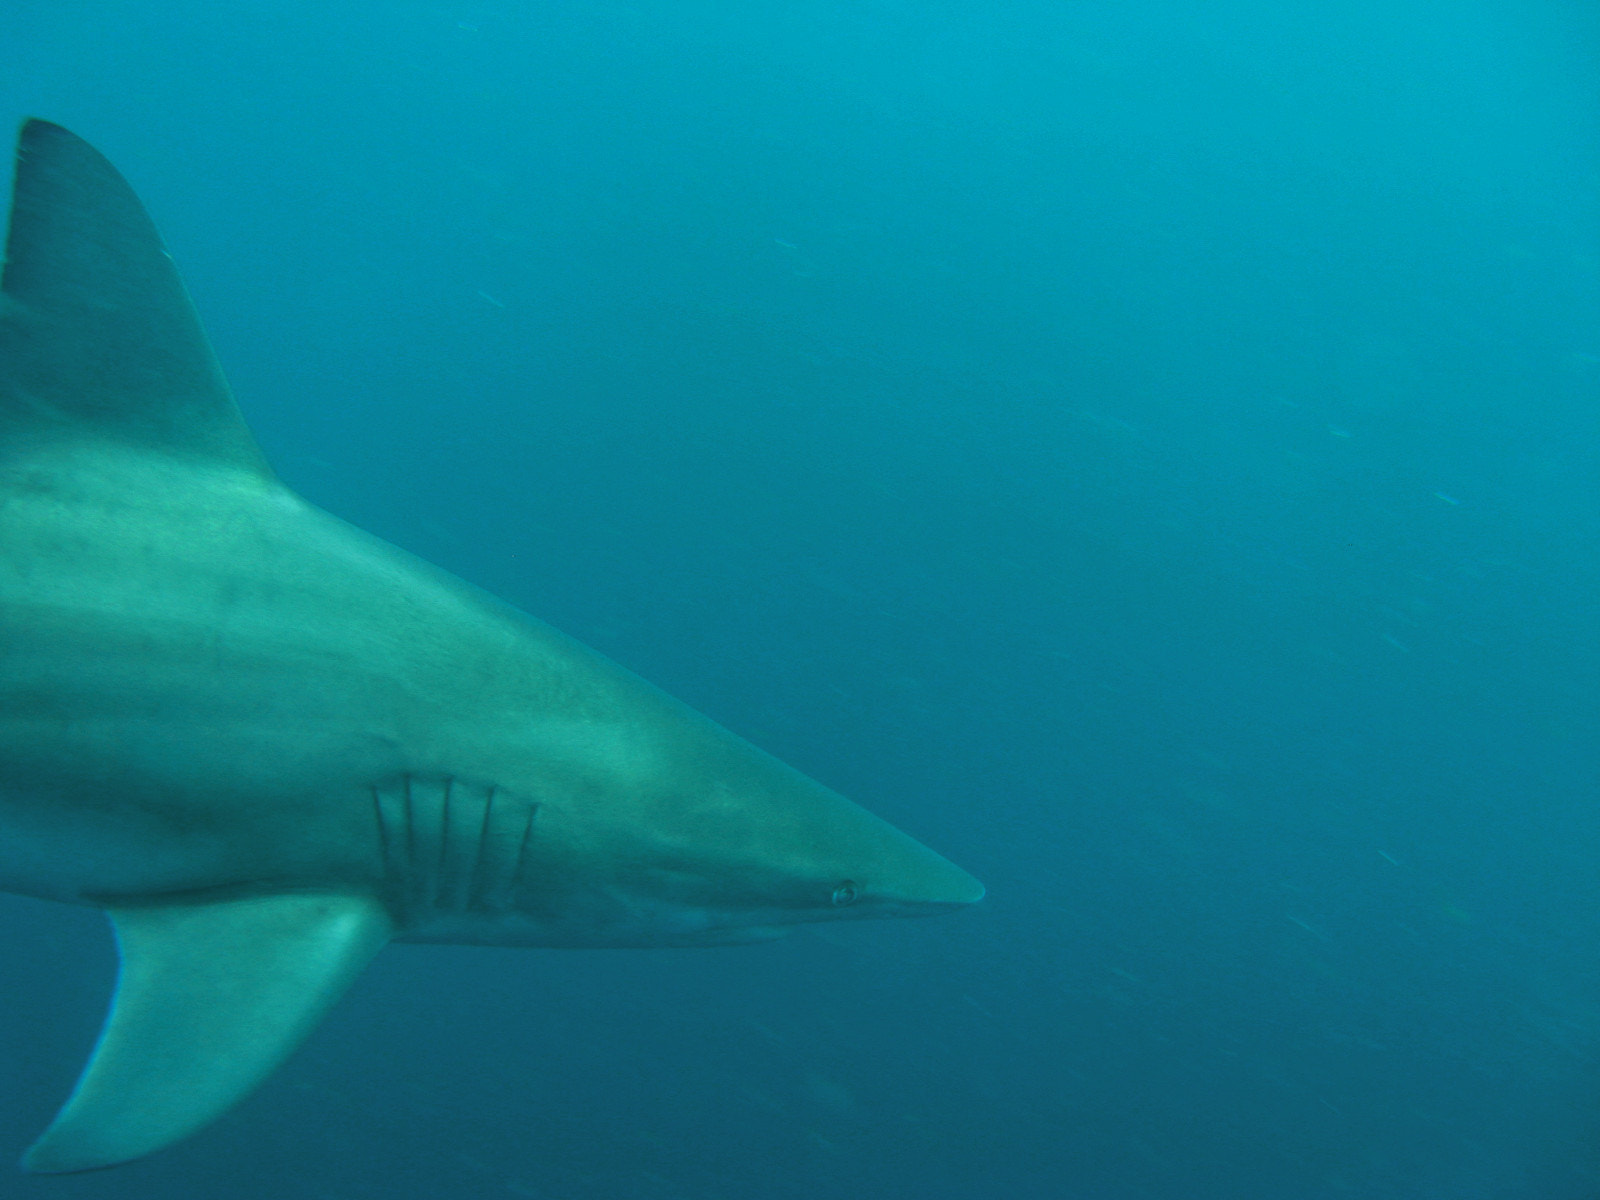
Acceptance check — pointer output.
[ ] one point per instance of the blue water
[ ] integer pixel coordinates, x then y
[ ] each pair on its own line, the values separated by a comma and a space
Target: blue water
1148, 450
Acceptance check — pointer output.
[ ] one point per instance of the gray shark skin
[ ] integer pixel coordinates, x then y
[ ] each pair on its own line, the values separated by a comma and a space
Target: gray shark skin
267, 744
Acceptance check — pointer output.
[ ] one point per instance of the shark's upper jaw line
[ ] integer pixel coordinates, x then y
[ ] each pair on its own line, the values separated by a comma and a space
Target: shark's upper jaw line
268, 743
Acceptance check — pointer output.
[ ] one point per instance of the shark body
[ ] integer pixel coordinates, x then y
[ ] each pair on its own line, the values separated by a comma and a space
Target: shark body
268, 744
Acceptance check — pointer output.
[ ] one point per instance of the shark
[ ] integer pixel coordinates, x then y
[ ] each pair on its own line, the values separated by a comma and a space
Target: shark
267, 744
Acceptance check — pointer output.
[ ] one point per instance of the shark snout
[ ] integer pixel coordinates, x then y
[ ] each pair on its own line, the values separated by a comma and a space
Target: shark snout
963, 889
917, 881
943, 888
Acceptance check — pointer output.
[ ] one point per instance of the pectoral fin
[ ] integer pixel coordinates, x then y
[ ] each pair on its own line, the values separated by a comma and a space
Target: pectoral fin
210, 999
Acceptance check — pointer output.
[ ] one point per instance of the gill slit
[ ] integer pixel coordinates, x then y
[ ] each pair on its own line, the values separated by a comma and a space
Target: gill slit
522, 847
480, 849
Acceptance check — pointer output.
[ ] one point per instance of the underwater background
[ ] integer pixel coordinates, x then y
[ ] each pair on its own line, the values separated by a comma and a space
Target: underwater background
1149, 451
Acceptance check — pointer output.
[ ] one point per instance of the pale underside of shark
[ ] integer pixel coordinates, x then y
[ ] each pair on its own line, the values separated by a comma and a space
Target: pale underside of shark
267, 743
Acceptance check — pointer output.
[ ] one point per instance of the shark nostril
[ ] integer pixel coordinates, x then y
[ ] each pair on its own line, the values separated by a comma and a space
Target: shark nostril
846, 894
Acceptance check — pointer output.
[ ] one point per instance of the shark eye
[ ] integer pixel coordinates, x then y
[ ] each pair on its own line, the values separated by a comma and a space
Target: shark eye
845, 894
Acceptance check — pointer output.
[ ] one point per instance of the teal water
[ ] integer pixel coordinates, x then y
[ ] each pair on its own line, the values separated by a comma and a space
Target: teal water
1148, 451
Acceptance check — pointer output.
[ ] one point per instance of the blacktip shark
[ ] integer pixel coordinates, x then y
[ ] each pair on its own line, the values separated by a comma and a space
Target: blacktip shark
267, 743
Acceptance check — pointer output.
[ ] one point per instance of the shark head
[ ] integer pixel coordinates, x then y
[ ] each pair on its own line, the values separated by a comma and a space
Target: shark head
751, 853
644, 824
268, 744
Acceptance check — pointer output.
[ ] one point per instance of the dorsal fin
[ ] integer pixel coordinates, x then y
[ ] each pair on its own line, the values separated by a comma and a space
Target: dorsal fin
98, 338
